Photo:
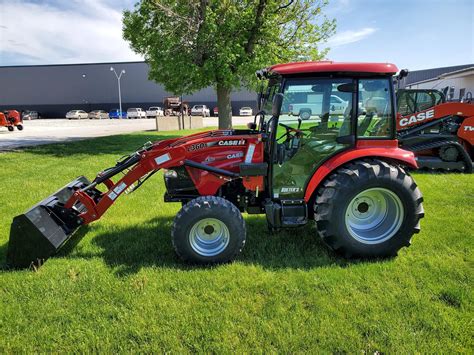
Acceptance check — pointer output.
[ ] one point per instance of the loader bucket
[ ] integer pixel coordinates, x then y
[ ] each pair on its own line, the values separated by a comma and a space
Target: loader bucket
41, 231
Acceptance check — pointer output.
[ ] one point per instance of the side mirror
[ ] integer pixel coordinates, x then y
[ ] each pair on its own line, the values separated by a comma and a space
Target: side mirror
277, 102
403, 73
252, 125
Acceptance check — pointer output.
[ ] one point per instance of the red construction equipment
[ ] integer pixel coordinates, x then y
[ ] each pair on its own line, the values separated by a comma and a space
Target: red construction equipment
11, 119
440, 133
346, 177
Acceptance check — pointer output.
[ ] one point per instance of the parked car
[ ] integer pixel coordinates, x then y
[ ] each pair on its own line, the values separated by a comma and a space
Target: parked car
30, 115
315, 107
98, 114
215, 111
154, 111
200, 110
76, 114
136, 112
245, 111
115, 114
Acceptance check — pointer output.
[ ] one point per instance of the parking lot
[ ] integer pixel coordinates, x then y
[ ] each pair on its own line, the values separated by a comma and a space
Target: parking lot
46, 131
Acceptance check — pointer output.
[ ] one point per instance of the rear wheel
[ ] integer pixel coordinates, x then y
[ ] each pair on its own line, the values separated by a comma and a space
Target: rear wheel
368, 209
208, 230
10, 128
19, 127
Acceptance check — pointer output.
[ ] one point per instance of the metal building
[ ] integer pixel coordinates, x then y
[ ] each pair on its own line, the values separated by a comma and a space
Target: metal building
439, 78
53, 90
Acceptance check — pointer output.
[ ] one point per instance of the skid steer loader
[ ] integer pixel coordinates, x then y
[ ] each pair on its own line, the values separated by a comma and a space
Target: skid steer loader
350, 180
440, 133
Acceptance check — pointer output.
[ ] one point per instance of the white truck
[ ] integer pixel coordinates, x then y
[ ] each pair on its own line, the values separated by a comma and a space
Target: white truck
136, 113
154, 111
314, 106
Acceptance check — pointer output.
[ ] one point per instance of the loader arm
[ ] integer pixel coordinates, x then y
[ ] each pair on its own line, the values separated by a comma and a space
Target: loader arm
139, 166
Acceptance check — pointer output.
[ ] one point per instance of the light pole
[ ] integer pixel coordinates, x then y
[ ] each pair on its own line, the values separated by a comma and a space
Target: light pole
118, 81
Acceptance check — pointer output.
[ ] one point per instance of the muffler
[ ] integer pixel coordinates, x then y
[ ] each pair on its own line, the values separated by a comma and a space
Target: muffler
42, 230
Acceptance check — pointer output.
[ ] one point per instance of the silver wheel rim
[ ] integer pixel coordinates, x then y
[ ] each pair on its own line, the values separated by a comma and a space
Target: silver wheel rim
209, 237
374, 215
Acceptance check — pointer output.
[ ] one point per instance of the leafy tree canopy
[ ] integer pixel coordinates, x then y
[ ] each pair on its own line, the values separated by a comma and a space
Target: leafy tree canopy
193, 44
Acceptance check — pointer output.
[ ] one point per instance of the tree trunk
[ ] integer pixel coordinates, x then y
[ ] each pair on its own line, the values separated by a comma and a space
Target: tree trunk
224, 107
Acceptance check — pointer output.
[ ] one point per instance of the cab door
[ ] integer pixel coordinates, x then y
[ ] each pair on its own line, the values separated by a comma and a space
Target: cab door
302, 144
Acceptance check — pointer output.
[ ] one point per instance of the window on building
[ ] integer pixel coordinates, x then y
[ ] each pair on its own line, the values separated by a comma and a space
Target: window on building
462, 92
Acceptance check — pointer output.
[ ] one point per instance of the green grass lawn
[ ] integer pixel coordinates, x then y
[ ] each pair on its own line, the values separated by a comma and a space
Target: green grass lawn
121, 287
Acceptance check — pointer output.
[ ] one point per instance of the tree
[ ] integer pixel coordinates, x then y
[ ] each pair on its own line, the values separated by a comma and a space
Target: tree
193, 44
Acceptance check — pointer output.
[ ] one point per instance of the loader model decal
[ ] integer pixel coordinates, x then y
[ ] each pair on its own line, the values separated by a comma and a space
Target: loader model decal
415, 119
196, 146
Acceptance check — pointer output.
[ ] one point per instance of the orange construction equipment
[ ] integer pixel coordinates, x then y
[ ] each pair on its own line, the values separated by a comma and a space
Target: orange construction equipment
11, 119
440, 133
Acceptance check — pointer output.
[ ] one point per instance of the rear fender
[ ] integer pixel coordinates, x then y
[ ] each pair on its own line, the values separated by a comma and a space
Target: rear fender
364, 149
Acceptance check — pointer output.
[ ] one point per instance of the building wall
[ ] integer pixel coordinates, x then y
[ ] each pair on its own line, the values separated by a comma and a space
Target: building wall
54, 89
465, 82
426, 74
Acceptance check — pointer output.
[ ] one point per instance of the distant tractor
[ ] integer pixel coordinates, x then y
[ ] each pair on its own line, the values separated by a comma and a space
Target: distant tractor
172, 106
11, 119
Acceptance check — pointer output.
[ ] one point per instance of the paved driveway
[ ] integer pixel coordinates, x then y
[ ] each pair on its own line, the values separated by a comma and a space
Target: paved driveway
59, 130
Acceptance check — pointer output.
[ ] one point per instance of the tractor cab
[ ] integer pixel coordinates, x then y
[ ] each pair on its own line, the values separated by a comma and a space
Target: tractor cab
320, 110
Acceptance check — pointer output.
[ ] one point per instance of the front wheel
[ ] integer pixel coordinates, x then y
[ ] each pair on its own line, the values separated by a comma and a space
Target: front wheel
208, 230
10, 128
368, 208
19, 127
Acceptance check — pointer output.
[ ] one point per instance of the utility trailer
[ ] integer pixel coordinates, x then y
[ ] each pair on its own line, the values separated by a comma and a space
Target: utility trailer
351, 181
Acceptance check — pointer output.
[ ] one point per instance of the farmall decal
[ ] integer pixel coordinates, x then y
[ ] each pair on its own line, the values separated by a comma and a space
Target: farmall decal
414, 119
289, 190
469, 128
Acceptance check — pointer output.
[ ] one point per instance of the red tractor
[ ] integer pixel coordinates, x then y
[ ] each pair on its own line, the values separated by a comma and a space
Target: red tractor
11, 119
349, 179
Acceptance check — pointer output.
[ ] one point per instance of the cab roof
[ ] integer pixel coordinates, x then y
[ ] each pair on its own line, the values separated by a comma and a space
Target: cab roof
330, 66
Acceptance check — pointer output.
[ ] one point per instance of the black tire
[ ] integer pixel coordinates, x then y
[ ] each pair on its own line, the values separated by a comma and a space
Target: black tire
305, 114
19, 127
10, 128
203, 209
339, 192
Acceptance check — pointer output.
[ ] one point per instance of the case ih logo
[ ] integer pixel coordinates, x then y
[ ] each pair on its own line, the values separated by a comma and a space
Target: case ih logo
469, 128
422, 116
234, 142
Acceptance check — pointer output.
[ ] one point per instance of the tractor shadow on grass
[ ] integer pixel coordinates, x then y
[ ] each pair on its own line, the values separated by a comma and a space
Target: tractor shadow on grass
149, 245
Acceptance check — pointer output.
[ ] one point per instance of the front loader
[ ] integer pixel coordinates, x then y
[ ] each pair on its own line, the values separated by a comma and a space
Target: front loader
340, 172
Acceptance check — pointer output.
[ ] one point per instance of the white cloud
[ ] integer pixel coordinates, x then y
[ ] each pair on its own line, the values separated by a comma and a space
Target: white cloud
68, 32
351, 36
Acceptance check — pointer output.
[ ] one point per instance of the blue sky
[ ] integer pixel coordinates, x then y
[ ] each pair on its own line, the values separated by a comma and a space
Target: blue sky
415, 34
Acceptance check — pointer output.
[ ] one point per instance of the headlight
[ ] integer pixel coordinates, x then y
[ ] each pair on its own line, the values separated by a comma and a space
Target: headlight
170, 173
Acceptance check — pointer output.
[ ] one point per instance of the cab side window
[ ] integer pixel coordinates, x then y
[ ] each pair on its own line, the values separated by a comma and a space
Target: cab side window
374, 112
